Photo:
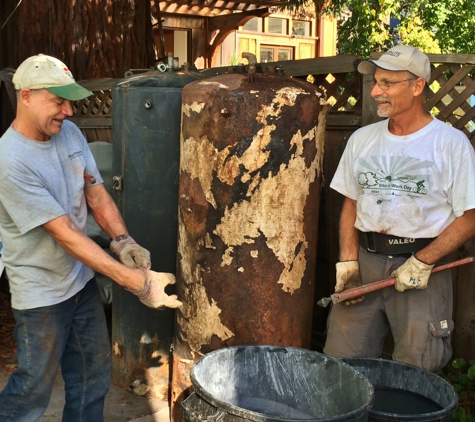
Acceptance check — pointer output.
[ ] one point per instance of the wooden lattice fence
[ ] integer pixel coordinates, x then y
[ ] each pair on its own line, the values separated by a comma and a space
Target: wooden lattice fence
94, 114
452, 96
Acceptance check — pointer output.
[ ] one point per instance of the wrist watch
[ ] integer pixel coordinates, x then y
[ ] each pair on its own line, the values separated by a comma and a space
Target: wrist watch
121, 237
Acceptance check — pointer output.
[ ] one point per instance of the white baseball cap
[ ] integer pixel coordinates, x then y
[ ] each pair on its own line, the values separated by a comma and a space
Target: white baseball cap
46, 72
400, 58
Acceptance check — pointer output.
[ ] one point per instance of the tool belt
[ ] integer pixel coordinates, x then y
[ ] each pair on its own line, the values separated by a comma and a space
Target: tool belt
392, 245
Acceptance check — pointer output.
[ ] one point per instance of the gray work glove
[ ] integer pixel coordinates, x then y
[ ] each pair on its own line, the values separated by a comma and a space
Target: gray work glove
347, 277
130, 253
413, 274
153, 293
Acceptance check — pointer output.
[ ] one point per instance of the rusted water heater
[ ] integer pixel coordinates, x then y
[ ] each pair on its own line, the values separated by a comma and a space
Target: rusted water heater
251, 153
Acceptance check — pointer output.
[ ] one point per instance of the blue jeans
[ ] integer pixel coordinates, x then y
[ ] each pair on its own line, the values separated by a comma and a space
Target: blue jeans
73, 335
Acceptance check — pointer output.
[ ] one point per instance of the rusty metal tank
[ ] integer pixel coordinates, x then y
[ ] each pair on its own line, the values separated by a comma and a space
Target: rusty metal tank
251, 153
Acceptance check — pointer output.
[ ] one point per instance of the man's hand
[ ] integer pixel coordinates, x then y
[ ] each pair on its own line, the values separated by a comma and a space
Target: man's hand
130, 253
153, 292
413, 274
347, 277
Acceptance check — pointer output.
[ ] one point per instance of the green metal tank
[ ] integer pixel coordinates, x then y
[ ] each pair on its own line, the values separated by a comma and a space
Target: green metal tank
146, 153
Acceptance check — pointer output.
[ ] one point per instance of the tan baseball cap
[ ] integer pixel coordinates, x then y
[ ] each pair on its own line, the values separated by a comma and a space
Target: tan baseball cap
400, 58
46, 72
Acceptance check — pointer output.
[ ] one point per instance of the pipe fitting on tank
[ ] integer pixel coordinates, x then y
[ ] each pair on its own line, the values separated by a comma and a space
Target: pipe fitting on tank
252, 65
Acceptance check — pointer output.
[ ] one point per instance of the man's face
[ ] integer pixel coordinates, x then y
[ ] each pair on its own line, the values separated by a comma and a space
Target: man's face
398, 98
47, 112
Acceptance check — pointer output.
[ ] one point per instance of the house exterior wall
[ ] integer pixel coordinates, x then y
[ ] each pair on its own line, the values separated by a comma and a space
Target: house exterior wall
320, 42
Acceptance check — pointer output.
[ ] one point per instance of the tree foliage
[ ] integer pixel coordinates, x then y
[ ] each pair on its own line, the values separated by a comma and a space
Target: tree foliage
435, 26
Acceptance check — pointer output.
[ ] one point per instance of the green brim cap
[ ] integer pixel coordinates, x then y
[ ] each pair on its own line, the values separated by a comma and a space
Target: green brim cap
72, 92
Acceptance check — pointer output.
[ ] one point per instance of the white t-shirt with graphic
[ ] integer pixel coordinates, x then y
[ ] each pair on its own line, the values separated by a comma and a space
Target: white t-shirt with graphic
410, 186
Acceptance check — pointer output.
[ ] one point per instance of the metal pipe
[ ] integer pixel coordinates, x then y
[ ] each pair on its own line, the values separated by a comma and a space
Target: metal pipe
382, 284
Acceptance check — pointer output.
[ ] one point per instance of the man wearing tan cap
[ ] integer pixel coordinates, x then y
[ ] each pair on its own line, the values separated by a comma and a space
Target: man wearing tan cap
409, 187
48, 178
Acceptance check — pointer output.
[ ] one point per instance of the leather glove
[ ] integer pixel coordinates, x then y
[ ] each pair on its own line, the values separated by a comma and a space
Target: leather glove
347, 277
413, 274
153, 293
130, 253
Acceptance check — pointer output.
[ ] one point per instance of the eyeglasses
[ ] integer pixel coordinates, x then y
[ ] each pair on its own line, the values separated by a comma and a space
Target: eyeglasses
385, 85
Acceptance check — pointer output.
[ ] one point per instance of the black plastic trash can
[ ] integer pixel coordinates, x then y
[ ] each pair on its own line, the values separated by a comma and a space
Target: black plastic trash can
270, 383
406, 393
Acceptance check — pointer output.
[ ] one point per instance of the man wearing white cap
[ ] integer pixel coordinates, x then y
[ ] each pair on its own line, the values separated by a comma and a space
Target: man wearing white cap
409, 187
48, 178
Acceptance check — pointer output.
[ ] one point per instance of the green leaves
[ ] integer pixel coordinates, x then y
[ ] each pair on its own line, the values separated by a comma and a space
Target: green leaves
458, 363
462, 377
434, 26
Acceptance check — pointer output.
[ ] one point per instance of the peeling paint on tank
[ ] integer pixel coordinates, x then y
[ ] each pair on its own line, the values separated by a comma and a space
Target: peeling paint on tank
284, 97
199, 319
270, 199
200, 326
274, 197
227, 257
209, 242
201, 168
185, 251
195, 107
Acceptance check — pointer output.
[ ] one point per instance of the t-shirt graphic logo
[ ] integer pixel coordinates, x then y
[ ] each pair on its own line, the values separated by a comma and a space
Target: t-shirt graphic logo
397, 174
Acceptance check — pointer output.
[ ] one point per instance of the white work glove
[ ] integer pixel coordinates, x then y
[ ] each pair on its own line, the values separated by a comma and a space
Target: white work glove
153, 293
413, 274
130, 253
347, 277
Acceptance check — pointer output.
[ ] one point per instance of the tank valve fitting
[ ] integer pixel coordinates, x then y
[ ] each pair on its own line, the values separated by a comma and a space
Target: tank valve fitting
252, 65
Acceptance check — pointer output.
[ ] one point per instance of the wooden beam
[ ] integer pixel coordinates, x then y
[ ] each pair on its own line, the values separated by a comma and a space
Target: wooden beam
234, 20
92, 122
304, 67
342, 118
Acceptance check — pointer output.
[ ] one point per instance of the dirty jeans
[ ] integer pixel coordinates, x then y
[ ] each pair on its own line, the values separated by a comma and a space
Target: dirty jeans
420, 320
73, 335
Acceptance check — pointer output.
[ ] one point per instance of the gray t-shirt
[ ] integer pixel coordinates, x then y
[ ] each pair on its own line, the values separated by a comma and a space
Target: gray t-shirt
41, 181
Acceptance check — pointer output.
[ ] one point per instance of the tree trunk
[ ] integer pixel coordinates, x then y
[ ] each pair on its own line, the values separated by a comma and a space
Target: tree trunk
94, 38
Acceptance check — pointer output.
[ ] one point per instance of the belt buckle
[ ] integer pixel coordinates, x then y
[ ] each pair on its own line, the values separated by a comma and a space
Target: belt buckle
370, 242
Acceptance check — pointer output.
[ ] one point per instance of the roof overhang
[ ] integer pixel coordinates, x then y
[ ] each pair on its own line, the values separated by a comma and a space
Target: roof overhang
215, 7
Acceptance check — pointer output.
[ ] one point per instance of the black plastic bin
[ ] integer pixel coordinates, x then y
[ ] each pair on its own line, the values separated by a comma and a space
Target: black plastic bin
405, 392
270, 383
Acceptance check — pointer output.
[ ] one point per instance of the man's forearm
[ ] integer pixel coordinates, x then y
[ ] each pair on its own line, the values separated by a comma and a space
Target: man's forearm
85, 250
454, 236
349, 235
105, 211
